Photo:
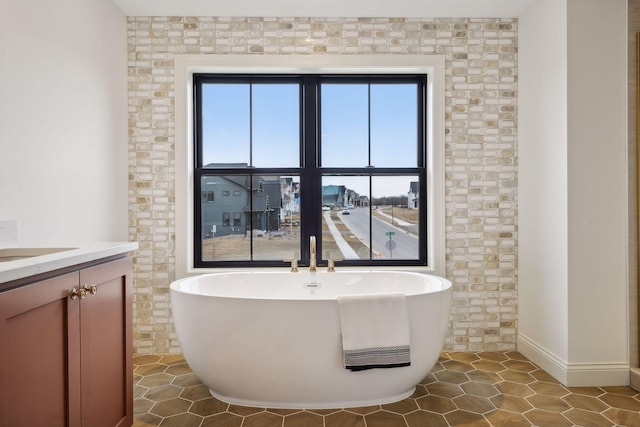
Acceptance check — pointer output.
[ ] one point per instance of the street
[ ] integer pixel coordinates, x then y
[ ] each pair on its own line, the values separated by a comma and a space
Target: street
406, 245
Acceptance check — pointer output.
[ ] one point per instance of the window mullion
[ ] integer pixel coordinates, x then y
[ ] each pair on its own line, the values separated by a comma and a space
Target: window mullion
421, 122
251, 225
197, 119
370, 216
369, 125
310, 178
197, 187
251, 127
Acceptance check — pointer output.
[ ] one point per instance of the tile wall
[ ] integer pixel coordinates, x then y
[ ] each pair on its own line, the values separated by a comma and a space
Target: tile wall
481, 138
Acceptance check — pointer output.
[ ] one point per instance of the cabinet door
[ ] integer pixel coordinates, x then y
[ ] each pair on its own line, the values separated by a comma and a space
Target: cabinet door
106, 345
39, 357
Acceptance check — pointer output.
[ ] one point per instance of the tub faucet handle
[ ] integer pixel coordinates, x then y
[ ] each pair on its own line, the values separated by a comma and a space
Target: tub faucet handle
331, 264
294, 264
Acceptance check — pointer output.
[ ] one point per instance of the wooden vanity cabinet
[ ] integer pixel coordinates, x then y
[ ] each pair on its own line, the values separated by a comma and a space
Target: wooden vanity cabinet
67, 361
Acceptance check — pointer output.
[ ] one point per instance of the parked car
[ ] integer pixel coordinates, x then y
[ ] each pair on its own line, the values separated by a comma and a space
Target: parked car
345, 212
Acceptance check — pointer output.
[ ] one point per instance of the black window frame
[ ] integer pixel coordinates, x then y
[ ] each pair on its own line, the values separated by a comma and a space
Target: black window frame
310, 171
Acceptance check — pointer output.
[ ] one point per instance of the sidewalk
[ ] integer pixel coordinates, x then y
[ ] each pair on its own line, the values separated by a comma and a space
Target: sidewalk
345, 248
396, 220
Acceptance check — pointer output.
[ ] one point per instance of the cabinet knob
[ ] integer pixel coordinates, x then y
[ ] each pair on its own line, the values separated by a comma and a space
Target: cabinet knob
77, 293
92, 289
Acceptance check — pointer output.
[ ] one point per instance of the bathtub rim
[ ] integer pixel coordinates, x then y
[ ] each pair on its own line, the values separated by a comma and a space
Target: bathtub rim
174, 286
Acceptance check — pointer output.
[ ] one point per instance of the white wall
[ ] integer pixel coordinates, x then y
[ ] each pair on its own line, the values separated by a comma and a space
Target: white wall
597, 141
63, 119
542, 177
573, 190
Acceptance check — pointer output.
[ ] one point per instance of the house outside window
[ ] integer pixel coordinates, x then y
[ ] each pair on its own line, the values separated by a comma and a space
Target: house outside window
413, 196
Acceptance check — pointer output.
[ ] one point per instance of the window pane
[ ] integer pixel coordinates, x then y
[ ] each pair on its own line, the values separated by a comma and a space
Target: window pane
394, 127
223, 240
345, 217
276, 218
350, 231
345, 128
395, 218
225, 124
265, 213
276, 125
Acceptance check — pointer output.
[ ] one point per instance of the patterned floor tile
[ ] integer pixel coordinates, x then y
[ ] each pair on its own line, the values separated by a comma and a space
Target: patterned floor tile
471, 389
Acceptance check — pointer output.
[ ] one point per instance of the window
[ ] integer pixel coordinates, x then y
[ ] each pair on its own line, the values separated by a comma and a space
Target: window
207, 196
332, 156
192, 178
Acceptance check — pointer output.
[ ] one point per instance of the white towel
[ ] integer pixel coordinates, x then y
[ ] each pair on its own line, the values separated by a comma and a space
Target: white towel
375, 331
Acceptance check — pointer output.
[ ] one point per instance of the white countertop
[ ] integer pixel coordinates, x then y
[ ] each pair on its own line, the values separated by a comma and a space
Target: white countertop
82, 252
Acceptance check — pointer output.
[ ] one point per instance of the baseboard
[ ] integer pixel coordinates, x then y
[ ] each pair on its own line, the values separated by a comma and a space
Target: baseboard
574, 374
635, 378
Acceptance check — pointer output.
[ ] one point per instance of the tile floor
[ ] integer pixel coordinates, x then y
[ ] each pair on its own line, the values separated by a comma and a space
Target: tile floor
463, 389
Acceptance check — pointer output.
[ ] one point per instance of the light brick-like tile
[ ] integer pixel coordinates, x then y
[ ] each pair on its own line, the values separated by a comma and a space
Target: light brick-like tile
480, 149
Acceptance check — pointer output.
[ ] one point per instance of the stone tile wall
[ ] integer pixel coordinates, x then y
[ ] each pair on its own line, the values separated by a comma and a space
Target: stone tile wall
481, 138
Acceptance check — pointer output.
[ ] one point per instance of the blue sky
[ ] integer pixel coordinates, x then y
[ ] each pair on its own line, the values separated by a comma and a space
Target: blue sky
274, 128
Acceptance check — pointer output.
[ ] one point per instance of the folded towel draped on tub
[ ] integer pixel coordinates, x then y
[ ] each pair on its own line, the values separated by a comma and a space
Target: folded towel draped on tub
375, 331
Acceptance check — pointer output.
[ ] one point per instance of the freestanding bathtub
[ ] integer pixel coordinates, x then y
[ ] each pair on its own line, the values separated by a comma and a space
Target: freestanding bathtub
269, 339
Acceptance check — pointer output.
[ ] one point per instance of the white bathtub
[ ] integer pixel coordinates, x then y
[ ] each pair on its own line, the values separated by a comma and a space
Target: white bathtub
266, 339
